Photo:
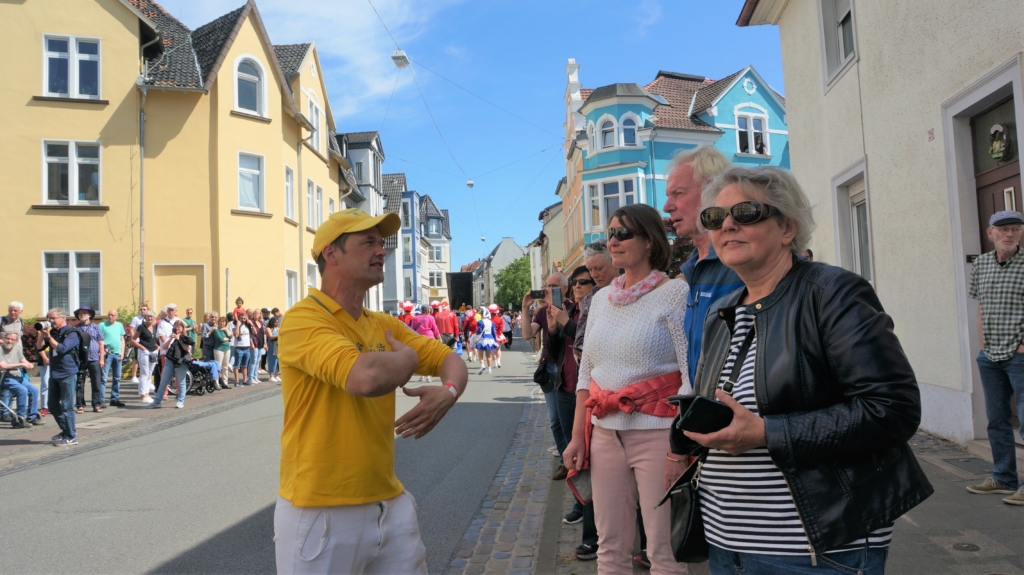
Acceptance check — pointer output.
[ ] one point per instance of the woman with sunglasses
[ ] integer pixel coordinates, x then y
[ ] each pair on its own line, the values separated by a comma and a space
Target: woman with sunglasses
633, 360
815, 467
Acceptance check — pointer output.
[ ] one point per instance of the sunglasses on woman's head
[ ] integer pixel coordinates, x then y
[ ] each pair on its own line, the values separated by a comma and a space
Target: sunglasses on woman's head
621, 233
743, 213
583, 282
596, 246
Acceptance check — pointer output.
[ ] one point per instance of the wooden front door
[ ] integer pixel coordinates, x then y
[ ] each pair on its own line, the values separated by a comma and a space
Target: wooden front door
998, 190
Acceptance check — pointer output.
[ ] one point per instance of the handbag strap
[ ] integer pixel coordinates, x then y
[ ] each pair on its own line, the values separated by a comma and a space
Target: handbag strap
737, 366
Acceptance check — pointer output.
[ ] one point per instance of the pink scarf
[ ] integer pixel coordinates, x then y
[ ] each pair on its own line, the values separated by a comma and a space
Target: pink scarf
619, 295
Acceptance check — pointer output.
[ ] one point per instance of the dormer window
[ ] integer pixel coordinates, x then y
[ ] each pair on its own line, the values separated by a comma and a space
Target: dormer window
628, 132
249, 88
434, 227
607, 134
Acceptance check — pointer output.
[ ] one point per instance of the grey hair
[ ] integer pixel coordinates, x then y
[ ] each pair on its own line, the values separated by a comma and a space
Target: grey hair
590, 251
562, 280
58, 311
777, 187
17, 304
706, 161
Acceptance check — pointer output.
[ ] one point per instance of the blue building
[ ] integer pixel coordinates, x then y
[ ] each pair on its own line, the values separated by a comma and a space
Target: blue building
626, 135
425, 240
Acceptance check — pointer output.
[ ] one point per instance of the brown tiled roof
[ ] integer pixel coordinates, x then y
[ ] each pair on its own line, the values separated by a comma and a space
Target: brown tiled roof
470, 266
678, 89
173, 64
707, 94
585, 93
290, 56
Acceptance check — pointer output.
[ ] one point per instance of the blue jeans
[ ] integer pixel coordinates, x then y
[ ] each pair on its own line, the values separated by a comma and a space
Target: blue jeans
254, 363
999, 380
112, 363
26, 394
242, 356
61, 403
862, 561
165, 380
272, 360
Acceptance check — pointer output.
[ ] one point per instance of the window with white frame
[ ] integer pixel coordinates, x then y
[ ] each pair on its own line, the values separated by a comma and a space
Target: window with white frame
249, 86
591, 139
406, 249
853, 220
291, 280
72, 67
436, 278
628, 132
607, 134
72, 279
72, 172
319, 206
838, 36
250, 182
407, 284
289, 193
359, 172
311, 272
593, 207
437, 253
314, 118
860, 230
406, 214
434, 226
752, 135
309, 203
330, 207
616, 194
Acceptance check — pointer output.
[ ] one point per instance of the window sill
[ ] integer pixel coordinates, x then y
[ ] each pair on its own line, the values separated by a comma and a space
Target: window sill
763, 156
76, 207
312, 149
252, 213
310, 230
840, 71
291, 221
70, 100
249, 116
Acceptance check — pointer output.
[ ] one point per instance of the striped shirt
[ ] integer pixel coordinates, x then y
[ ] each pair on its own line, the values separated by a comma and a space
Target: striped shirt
745, 500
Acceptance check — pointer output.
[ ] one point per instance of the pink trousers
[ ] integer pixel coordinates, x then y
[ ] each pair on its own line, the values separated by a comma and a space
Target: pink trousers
625, 466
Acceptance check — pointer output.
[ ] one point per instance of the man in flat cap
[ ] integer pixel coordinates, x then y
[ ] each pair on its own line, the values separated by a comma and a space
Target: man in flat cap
997, 282
340, 508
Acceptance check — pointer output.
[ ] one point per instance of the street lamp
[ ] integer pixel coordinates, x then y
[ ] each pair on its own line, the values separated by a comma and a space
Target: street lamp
400, 59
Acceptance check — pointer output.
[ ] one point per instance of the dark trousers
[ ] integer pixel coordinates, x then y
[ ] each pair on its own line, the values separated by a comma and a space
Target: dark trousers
566, 408
92, 368
1000, 381
508, 337
59, 401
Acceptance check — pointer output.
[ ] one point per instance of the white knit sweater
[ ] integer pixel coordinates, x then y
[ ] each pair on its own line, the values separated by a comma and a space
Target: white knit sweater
631, 343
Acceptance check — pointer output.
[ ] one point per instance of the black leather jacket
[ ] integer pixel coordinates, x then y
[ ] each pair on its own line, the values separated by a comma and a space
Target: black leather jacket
838, 397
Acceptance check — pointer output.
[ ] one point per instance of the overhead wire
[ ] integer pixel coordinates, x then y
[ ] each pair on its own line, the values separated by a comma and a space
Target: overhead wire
388, 109
527, 188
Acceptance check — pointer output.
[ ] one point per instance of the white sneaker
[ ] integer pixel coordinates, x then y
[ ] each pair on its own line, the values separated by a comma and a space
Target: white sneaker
488, 370
482, 368
428, 379
147, 400
135, 380
179, 404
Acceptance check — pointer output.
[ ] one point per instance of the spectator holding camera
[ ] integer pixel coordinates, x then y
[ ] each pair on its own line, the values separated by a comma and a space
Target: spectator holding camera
241, 332
64, 342
13, 366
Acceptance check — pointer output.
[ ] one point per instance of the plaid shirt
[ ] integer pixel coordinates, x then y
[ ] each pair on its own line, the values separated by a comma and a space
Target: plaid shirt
1000, 291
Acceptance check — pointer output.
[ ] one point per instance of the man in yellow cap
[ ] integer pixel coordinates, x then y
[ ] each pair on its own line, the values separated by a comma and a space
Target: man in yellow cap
340, 508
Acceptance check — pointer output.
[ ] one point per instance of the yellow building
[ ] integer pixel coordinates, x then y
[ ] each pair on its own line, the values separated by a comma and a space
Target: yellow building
147, 160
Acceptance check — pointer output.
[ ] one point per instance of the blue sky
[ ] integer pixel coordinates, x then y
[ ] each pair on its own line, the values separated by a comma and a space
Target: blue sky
511, 53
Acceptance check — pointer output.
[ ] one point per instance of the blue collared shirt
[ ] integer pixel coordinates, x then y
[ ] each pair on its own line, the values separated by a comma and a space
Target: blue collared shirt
709, 281
62, 360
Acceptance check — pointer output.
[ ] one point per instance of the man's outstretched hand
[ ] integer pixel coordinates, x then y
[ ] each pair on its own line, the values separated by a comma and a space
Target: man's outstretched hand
435, 401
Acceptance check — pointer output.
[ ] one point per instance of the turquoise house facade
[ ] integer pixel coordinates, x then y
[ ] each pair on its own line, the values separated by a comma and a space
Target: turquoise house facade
627, 135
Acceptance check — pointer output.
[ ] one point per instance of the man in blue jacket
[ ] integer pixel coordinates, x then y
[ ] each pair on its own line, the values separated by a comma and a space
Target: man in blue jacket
64, 365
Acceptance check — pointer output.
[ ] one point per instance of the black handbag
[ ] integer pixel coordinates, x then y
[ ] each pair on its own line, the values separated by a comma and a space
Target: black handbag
687, 524
540, 377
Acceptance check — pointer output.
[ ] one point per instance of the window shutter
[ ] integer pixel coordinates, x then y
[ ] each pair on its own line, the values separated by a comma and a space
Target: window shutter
842, 9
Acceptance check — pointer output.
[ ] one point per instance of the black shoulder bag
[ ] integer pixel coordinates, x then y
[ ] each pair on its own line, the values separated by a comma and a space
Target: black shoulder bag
687, 523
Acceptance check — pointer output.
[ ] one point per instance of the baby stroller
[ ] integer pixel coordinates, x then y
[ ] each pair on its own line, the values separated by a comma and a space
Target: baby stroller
199, 379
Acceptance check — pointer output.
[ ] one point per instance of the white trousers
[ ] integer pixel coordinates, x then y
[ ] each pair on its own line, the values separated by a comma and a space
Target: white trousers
376, 538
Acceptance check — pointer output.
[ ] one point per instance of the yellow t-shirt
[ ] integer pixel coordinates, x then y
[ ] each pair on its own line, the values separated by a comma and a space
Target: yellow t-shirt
338, 448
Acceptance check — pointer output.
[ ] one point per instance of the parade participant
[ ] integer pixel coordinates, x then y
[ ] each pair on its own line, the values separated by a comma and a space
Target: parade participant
406, 317
816, 455
996, 282
636, 348
469, 334
448, 324
508, 324
499, 329
709, 279
341, 365
425, 325
487, 341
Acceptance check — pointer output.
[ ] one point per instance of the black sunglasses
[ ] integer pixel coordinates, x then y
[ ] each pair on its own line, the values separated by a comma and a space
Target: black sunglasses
583, 282
743, 213
622, 233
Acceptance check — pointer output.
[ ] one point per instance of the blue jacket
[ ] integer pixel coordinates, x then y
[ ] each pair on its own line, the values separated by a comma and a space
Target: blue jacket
709, 281
64, 359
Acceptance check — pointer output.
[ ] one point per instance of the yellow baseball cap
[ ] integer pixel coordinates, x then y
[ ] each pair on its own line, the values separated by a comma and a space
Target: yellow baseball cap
350, 221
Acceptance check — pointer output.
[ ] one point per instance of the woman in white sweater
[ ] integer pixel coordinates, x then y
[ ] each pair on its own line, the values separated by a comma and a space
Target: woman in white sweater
634, 358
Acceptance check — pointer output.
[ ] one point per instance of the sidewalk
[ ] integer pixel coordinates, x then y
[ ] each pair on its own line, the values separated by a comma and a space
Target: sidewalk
519, 531
19, 447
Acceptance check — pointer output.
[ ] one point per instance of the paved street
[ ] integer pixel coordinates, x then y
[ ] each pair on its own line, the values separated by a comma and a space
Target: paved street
192, 491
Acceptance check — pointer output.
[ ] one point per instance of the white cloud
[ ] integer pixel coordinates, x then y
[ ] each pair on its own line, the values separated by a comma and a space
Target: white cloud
648, 14
354, 49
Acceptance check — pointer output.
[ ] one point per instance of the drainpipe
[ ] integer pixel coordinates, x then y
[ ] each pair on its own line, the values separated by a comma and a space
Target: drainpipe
142, 194
306, 124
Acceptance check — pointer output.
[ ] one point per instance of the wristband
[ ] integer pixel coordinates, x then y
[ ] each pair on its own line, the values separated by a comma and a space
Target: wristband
672, 460
451, 387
